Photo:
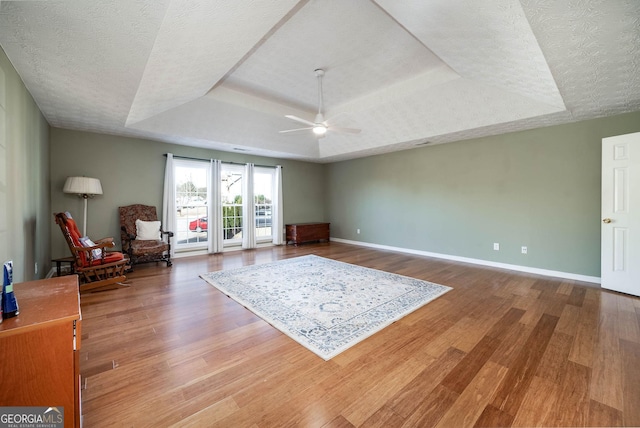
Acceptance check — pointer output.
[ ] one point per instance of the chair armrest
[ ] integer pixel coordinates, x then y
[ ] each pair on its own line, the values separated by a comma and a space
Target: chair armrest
129, 236
169, 234
106, 242
100, 246
89, 250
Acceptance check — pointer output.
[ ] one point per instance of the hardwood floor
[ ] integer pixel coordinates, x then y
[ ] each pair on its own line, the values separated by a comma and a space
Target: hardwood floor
500, 349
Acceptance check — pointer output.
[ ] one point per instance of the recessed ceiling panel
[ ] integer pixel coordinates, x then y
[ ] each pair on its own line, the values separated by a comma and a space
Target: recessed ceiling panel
491, 42
198, 43
210, 119
359, 46
81, 60
434, 111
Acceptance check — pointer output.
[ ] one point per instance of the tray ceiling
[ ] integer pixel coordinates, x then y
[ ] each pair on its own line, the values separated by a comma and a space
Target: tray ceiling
222, 75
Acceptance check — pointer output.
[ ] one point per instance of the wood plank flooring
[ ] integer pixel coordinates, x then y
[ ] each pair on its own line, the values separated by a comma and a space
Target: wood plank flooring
500, 349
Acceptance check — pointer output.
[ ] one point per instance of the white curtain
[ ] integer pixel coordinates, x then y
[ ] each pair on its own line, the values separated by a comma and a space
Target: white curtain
277, 216
248, 210
169, 219
214, 201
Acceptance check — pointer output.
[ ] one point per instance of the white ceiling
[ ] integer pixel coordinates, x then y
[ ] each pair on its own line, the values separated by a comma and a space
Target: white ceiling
222, 74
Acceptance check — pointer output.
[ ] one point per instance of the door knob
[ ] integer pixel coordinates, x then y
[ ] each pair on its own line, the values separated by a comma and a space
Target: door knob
606, 220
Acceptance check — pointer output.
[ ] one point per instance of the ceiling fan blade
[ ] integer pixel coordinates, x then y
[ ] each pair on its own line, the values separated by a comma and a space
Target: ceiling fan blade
344, 130
294, 130
299, 119
319, 125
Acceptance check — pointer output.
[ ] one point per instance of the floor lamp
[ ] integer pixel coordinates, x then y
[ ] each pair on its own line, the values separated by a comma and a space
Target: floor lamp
84, 187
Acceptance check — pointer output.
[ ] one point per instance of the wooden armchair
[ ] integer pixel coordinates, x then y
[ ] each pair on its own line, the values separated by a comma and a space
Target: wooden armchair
143, 246
97, 268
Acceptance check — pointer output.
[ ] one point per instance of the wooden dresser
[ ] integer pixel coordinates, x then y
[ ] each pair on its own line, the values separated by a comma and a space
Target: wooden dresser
39, 348
307, 232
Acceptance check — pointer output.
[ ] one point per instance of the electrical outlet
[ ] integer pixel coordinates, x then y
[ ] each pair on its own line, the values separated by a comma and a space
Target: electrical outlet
36, 268
496, 246
524, 250
358, 231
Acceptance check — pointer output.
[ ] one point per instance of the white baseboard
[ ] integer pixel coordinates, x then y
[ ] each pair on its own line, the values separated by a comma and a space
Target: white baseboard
52, 271
527, 269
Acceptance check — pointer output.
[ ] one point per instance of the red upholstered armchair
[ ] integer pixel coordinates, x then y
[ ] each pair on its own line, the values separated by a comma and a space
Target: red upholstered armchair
142, 236
97, 268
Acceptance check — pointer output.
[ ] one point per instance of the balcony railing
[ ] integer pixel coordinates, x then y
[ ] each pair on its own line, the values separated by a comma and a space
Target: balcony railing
232, 221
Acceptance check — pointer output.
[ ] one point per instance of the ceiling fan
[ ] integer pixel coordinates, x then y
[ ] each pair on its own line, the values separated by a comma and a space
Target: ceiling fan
319, 126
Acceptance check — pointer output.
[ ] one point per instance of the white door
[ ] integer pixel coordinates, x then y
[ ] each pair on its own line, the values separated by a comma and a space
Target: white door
620, 265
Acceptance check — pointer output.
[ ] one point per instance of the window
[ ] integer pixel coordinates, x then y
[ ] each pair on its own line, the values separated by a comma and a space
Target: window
191, 204
264, 180
192, 180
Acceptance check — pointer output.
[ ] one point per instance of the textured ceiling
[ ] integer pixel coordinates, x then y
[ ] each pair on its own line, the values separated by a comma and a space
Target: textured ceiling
222, 75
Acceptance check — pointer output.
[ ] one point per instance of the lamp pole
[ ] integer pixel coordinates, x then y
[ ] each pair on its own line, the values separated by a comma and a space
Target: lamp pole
84, 226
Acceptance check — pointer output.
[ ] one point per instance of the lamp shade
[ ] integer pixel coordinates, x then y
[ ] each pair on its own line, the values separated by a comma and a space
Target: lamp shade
82, 186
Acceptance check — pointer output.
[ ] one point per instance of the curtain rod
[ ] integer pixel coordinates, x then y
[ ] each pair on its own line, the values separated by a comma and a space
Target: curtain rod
227, 162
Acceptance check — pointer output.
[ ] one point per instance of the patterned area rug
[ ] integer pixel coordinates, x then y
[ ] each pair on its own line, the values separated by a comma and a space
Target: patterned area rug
325, 305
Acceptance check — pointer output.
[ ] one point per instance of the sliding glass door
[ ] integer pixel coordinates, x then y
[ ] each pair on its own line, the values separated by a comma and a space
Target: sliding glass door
233, 181
232, 177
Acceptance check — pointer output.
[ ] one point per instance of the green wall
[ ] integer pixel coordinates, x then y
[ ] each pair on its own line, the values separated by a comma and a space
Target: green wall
131, 170
538, 188
24, 178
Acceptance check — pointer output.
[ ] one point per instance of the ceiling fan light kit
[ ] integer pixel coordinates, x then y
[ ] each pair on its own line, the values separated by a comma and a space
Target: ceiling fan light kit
319, 126
319, 129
